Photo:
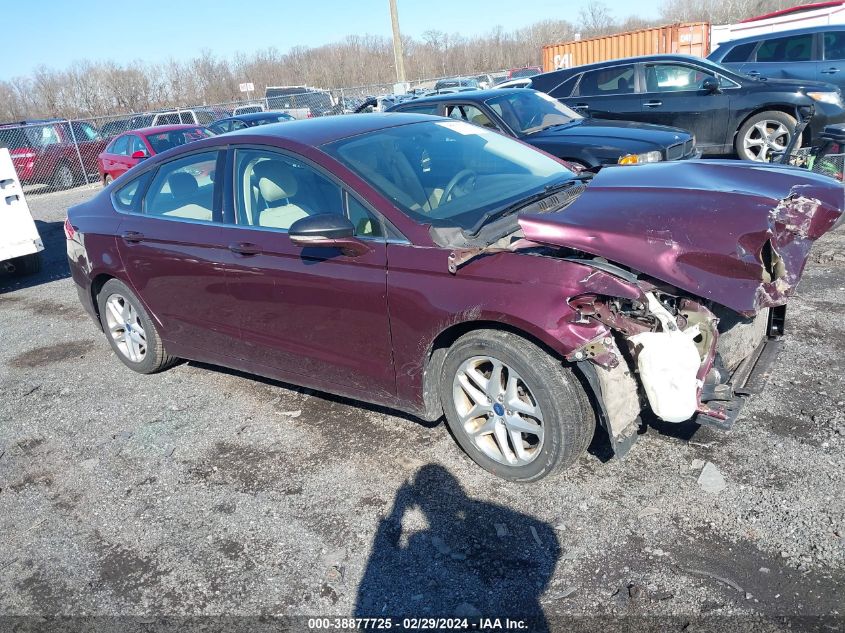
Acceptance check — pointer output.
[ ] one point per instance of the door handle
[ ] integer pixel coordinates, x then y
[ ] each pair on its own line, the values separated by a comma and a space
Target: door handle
245, 248
753, 73
132, 236
582, 106
830, 71
653, 104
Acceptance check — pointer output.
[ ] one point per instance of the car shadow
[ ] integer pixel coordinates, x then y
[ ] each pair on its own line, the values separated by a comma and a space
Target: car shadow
53, 260
441, 553
325, 396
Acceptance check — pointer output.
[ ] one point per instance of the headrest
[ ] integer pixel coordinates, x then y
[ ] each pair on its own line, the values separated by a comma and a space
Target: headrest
182, 184
275, 181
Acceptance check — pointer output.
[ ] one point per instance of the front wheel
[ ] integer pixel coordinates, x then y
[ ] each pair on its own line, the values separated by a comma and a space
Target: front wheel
130, 330
513, 407
764, 135
63, 177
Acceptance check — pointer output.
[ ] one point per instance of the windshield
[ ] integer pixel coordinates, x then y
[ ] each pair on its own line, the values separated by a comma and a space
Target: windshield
163, 141
529, 111
448, 173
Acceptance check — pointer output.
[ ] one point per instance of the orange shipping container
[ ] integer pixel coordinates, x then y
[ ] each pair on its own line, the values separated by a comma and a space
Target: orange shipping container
691, 38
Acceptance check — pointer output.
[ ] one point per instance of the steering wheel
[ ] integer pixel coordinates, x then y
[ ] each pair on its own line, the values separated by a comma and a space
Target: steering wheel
464, 174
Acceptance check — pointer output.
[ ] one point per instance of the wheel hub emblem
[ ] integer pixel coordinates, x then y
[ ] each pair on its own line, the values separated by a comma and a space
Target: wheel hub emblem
498, 409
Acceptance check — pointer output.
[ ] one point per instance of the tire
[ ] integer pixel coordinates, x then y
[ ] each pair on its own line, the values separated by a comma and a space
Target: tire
27, 264
107, 180
148, 357
762, 134
548, 389
63, 177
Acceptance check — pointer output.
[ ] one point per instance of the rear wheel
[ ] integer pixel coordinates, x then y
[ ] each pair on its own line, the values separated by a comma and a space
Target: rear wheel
514, 408
130, 330
63, 177
763, 135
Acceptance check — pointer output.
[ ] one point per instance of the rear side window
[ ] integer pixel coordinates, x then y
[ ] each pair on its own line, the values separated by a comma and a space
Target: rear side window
608, 81
184, 188
128, 197
834, 45
739, 54
470, 114
796, 48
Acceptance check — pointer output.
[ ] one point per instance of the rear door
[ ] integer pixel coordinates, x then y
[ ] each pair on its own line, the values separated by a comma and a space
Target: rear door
673, 96
175, 254
608, 93
309, 311
785, 57
115, 157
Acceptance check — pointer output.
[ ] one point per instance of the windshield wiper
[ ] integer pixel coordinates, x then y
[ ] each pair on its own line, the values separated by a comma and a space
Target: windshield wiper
524, 202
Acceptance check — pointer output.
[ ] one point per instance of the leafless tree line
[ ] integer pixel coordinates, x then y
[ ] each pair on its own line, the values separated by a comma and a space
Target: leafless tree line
98, 88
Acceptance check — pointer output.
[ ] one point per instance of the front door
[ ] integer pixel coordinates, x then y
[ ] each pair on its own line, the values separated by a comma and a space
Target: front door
174, 253
673, 95
309, 311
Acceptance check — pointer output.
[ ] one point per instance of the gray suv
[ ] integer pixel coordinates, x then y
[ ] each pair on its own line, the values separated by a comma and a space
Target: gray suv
815, 53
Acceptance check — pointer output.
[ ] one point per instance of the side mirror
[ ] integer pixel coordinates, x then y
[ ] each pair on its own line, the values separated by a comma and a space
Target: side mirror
139, 154
711, 86
327, 230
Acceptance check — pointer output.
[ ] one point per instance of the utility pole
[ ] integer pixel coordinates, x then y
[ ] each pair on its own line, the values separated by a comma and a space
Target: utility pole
398, 57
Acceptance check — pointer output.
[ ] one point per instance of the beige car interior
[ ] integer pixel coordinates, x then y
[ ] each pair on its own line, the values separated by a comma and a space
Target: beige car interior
181, 196
268, 186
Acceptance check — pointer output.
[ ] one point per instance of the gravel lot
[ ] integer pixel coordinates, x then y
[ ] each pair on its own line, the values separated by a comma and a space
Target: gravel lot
202, 491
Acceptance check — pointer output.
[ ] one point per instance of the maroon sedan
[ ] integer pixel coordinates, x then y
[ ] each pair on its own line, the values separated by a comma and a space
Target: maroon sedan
130, 148
440, 268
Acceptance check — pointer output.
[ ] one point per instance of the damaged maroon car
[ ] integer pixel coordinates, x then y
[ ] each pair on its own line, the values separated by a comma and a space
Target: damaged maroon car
436, 267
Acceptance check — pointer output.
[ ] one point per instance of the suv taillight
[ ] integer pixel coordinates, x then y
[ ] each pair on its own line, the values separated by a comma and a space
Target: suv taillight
70, 230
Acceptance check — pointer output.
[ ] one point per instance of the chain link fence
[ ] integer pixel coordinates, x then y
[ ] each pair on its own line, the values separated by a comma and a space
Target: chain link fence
54, 154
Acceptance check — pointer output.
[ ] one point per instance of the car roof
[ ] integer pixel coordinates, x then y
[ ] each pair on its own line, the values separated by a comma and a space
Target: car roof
325, 129
158, 129
469, 95
778, 34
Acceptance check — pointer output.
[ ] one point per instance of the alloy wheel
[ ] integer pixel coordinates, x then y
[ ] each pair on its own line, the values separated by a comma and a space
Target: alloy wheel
125, 328
498, 411
765, 138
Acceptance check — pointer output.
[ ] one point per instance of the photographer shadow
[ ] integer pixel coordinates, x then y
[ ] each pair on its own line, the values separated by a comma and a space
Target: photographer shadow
442, 554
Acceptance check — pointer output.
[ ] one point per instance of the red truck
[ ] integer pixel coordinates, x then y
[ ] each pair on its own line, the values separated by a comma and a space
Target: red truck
55, 153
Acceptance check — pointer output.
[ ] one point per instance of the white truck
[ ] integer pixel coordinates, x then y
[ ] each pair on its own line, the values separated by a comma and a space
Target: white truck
20, 244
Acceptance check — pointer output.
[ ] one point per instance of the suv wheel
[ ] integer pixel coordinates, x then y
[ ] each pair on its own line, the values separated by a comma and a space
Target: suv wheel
763, 135
514, 408
63, 177
130, 330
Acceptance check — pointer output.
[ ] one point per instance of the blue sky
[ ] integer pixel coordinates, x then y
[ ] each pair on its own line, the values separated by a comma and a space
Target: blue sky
57, 32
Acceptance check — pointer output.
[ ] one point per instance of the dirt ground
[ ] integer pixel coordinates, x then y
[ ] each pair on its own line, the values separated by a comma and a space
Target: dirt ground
201, 491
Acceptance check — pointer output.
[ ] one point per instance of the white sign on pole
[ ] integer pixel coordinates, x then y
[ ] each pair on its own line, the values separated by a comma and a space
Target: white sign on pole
247, 87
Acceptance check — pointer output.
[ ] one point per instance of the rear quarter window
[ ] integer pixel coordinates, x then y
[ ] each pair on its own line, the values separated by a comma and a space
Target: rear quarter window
430, 108
739, 54
565, 89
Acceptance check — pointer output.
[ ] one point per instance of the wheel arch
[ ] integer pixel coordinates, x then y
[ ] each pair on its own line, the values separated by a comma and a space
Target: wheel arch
440, 345
791, 110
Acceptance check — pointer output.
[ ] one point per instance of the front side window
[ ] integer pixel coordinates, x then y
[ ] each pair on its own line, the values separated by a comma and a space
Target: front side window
447, 173
608, 81
120, 146
274, 190
470, 114
184, 188
238, 125
85, 132
674, 77
136, 145
530, 111
834, 45
796, 48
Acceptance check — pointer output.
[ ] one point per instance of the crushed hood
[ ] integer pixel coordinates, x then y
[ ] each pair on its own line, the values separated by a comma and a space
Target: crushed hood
736, 233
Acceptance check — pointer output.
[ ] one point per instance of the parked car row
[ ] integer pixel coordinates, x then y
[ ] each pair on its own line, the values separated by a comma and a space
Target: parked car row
442, 268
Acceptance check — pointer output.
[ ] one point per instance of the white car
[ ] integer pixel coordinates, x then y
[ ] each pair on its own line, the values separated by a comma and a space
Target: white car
519, 82
20, 244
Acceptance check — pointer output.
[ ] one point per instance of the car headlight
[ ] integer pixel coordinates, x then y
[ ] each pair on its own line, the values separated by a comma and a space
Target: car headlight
637, 159
827, 96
